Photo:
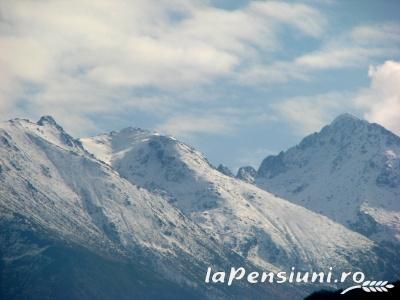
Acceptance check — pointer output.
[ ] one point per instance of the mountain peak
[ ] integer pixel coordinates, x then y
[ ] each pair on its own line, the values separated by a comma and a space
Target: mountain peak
344, 171
346, 117
247, 174
225, 170
48, 120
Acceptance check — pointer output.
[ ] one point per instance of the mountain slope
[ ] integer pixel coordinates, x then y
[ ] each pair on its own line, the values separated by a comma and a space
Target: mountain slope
349, 171
62, 210
269, 231
36, 263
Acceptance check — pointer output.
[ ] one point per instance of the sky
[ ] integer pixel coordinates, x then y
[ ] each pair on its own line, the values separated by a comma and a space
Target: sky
238, 80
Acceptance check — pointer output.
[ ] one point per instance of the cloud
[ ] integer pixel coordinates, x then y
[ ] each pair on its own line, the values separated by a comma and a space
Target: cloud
82, 60
381, 101
353, 49
339, 57
378, 34
77, 58
276, 72
185, 125
311, 113
214, 121
307, 19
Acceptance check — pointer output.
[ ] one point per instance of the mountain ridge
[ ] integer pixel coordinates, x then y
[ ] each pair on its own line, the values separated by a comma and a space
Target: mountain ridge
222, 204
66, 193
137, 195
349, 171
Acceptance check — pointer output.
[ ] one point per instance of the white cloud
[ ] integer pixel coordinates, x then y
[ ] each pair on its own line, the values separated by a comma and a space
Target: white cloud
215, 120
310, 114
277, 72
79, 57
381, 101
339, 57
75, 59
301, 16
185, 125
355, 48
378, 34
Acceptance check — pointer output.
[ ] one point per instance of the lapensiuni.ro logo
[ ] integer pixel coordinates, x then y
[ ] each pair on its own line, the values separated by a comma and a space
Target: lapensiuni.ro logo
356, 278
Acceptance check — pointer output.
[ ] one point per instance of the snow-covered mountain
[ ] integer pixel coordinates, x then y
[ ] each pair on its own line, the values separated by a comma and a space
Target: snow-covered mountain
267, 230
247, 174
225, 170
137, 214
349, 171
62, 208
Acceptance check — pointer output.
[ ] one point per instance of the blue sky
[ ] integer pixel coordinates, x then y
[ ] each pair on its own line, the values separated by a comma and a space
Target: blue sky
238, 80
